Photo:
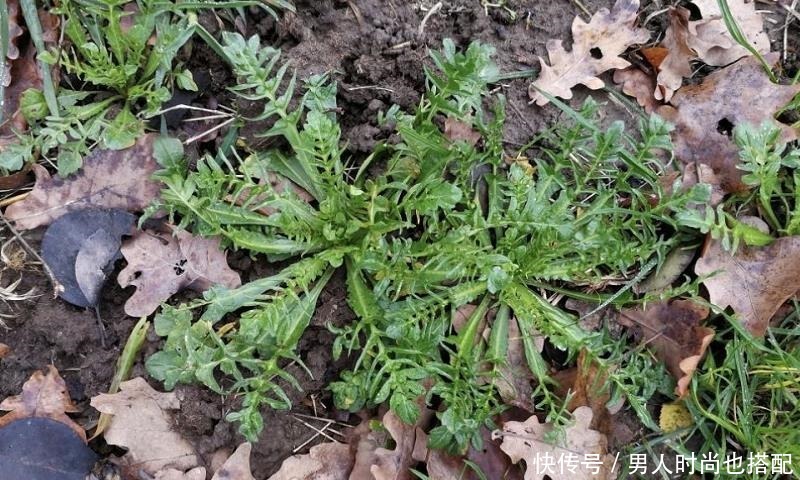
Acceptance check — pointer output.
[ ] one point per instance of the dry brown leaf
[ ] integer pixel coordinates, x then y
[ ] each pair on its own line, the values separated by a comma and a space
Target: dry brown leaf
596, 47
514, 384
44, 395
160, 265
14, 32
326, 461
589, 387
677, 64
108, 179
755, 281
237, 467
704, 114
526, 441
654, 55
711, 39
672, 330
141, 423
638, 85
372, 461
458, 131
4, 350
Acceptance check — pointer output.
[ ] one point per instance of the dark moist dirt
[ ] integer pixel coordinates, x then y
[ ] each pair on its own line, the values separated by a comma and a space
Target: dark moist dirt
376, 53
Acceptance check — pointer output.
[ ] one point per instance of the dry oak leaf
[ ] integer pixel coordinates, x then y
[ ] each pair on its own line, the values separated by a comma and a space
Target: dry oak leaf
526, 441
374, 462
326, 461
672, 330
237, 466
109, 179
44, 395
596, 48
142, 424
711, 39
677, 64
704, 114
639, 85
754, 281
160, 265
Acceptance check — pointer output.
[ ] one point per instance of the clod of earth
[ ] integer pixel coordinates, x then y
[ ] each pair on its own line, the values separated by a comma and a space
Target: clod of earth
596, 48
754, 281
160, 265
81, 247
109, 179
705, 114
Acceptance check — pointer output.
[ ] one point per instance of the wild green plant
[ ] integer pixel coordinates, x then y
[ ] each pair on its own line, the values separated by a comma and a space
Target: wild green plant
443, 224
769, 166
124, 56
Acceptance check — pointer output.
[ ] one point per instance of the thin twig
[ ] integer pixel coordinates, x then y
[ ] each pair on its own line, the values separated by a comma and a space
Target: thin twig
203, 134
434, 9
57, 287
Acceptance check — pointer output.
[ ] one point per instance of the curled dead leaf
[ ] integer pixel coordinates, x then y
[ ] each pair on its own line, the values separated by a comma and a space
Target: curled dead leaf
160, 265
704, 115
596, 47
754, 281
676, 65
638, 85
375, 461
672, 330
44, 395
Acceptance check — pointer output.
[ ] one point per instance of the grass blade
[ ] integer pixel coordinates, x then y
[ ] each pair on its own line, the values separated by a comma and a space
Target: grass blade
35, 30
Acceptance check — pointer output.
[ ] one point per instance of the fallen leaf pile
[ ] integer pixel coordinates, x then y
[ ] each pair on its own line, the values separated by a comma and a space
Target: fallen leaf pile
160, 265
596, 48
